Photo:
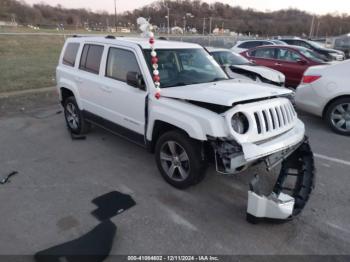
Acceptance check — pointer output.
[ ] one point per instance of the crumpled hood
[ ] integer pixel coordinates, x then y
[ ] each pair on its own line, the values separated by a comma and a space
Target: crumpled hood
265, 72
224, 93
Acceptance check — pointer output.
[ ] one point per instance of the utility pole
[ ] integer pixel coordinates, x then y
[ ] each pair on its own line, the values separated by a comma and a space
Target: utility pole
318, 28
168, 16
204, 25
184, 18
312, 27
210, 22
115, 16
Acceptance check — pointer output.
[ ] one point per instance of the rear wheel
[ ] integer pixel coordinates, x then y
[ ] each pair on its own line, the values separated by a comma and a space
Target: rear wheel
179, 159
338, 116
74, 117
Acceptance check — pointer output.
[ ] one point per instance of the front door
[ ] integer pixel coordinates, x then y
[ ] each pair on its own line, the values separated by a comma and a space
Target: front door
264, 56
124, 104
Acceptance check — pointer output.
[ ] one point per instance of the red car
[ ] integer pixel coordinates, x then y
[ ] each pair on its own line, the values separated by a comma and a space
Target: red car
292, 61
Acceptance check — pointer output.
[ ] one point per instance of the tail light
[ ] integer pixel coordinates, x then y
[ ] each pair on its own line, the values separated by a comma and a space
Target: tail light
310, 79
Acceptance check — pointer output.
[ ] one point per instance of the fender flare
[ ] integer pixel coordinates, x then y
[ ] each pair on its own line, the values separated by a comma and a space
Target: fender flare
71, 86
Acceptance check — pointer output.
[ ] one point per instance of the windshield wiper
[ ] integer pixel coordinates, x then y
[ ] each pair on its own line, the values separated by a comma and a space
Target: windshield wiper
177, 84
218, 79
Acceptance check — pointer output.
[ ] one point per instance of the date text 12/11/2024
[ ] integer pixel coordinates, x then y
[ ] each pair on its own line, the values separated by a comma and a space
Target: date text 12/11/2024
173, 258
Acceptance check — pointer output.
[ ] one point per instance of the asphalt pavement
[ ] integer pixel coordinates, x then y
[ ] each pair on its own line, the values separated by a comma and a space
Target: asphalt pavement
49, 201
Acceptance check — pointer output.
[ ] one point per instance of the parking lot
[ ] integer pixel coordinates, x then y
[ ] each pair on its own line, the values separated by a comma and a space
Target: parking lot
49, 201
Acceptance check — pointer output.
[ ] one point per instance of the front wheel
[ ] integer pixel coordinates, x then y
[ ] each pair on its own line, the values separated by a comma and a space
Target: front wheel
179, 159
338, 116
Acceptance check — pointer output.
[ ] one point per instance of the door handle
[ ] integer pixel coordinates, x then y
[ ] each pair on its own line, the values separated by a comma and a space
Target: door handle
278, 64
106, 89
79, 80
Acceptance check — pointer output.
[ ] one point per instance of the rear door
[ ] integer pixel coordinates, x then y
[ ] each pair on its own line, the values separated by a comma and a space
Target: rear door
264, 56
288, 62
89, 79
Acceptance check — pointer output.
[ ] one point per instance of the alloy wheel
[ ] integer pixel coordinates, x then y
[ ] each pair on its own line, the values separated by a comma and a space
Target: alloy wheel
72, 116
175, 161
340, 117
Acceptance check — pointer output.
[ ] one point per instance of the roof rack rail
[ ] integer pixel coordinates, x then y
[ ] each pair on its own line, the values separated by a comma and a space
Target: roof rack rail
110, 37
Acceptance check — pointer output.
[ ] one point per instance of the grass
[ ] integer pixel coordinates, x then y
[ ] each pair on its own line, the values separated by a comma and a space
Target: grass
28, 62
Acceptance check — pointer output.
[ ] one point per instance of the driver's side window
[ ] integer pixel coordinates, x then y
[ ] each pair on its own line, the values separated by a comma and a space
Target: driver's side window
120, 62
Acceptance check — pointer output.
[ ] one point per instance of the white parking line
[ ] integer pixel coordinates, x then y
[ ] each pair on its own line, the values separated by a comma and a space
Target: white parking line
332, 159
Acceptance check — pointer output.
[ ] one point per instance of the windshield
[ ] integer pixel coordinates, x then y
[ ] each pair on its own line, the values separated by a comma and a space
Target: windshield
225, 58
278, 42
178, 67
311, 55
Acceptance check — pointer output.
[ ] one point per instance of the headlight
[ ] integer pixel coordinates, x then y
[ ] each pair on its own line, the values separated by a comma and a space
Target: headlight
291, 97
240, 123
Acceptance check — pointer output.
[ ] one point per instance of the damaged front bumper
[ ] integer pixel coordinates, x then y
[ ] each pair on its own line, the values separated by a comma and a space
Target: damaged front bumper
286, 201
293, 152
231, 157
287, 140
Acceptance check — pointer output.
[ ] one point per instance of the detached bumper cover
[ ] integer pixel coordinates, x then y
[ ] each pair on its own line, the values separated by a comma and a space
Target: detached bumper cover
285, 201
275, 207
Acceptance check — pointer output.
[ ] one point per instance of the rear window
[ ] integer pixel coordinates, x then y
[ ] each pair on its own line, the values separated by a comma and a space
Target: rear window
91, 58
70, 54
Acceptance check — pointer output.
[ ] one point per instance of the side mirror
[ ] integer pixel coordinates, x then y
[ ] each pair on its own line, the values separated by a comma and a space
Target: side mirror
301, 62
136, 80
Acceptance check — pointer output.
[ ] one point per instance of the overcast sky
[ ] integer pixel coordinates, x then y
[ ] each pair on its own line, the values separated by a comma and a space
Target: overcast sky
314, 6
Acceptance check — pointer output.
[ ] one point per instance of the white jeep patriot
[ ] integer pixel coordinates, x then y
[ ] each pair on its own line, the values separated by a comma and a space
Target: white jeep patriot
201, 115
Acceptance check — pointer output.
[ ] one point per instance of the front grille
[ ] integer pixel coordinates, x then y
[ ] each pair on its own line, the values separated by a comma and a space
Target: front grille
267, 119
273, 118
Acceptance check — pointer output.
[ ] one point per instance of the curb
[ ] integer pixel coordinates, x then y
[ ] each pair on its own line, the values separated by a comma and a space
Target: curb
26, 92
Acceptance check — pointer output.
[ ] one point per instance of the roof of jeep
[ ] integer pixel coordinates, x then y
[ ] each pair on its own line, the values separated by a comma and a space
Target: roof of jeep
140, 41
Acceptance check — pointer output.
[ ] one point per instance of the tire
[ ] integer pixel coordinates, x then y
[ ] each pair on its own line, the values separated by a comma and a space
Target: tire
179, 159
75, 121
337, 116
